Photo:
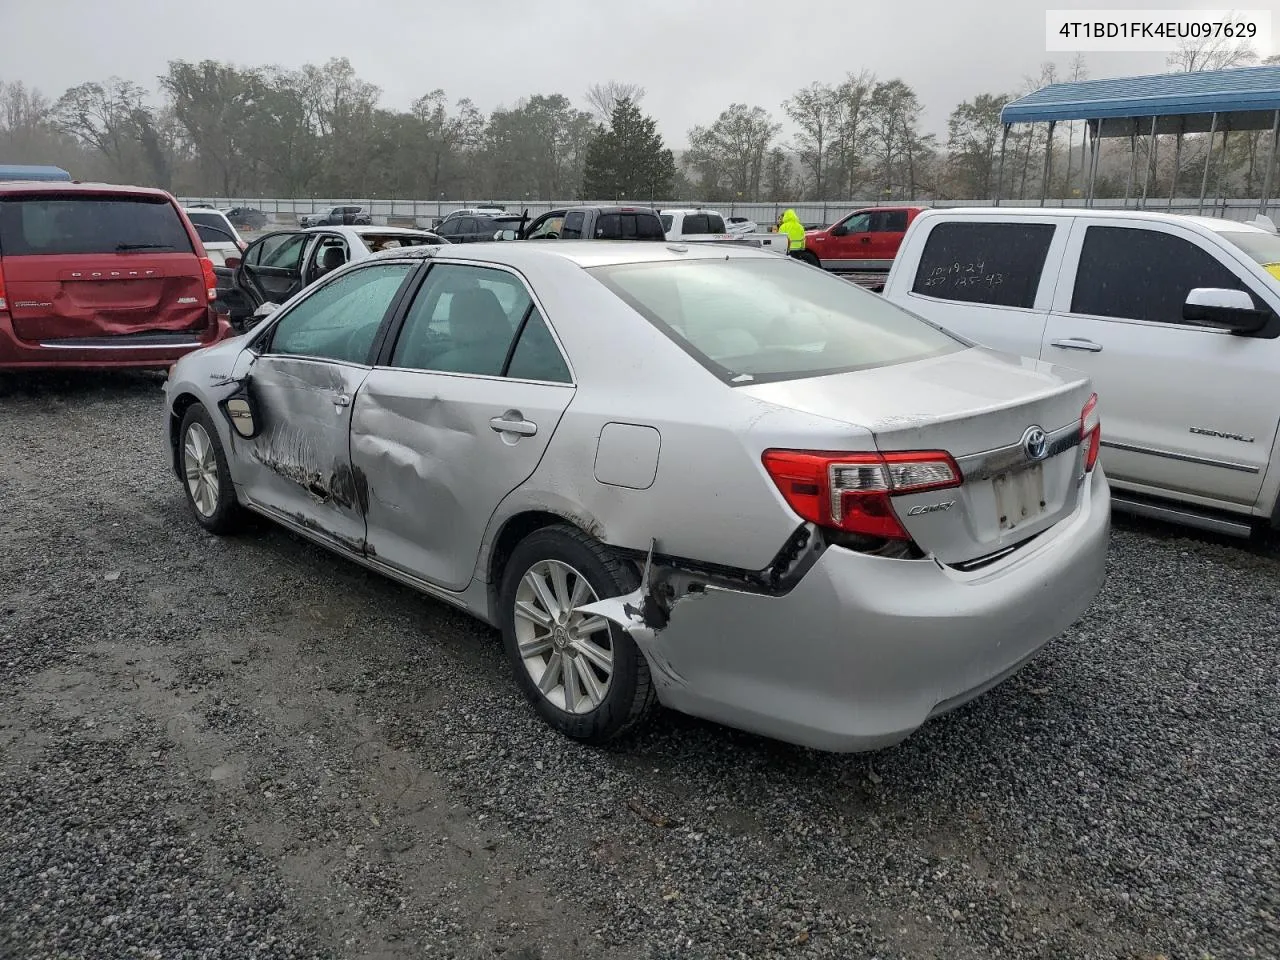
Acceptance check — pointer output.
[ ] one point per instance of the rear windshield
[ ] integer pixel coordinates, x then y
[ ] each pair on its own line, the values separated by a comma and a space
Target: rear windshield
1263, 248
216, 220
629, 226
757, 320
50, 224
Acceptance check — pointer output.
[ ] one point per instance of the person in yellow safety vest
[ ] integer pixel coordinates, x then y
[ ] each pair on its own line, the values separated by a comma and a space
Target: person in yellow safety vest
790, 224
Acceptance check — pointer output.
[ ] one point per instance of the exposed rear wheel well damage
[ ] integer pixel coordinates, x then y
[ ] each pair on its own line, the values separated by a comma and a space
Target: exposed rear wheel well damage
512, 532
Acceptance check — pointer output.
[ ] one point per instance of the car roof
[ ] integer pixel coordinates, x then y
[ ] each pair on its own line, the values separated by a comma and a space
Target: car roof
1217, 224
88, 189
585, 253
361, 229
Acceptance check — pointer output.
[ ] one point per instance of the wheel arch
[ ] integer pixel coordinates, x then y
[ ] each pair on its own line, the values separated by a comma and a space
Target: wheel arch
181, 404
514, 528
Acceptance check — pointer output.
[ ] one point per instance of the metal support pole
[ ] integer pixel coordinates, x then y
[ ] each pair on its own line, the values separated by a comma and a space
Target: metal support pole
1084, 146
1004, 143
1095, 146
1177, 160
1151, 160
1133, 163
1219, 189
1208, 159
1048, 163
1271, 164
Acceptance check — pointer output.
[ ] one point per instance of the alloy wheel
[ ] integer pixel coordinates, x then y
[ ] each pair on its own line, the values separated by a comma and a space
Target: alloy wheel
569, 655
200, 465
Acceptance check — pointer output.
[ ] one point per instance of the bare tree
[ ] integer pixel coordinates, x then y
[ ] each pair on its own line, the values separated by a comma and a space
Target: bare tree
602, 98
1211, 53
1078, 71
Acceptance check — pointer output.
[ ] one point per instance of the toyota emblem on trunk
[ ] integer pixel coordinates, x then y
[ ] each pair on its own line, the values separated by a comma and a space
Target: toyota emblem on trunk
1035, 443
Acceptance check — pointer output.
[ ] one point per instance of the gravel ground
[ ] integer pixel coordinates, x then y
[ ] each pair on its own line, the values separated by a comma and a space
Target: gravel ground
246, 748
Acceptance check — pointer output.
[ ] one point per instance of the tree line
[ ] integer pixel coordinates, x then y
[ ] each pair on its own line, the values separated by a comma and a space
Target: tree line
213, 128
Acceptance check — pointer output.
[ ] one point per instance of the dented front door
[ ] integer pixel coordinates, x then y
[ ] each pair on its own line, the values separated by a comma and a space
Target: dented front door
315, 356
300, 465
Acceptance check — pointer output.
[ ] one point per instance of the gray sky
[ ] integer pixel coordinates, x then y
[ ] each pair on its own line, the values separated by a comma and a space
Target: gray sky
694, 57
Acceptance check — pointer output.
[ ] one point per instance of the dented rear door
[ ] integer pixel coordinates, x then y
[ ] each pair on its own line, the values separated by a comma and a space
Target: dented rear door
458, 416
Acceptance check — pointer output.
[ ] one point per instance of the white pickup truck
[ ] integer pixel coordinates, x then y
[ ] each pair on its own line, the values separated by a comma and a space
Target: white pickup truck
1176, 319
696, 225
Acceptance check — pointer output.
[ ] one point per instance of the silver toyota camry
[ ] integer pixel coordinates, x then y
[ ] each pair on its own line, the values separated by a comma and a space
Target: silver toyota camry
696, 475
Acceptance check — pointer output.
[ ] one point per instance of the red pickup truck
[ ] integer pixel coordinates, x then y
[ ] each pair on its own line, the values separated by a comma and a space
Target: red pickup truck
863, 244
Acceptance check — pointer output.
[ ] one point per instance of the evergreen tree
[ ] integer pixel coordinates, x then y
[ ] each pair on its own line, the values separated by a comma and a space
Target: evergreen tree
627, 159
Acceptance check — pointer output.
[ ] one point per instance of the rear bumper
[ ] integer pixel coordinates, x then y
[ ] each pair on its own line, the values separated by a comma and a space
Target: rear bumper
864, 650
156, 352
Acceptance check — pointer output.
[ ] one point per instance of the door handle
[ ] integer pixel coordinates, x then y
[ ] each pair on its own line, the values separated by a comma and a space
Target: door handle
513, 422
341, 400
866, 239
1078, 343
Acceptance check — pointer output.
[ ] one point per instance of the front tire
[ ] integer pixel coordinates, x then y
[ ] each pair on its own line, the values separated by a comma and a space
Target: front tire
806, 256
585, 677
206, 478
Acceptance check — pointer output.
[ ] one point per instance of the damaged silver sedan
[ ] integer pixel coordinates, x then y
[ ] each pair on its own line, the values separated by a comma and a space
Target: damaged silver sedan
704, 477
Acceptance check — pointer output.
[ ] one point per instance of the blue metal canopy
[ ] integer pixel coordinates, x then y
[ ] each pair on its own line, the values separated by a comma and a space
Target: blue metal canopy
15, 171
1244, 98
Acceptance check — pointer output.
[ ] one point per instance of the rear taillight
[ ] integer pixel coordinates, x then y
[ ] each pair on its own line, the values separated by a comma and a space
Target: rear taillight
853, 491
210, 278
1090, 432
4, 304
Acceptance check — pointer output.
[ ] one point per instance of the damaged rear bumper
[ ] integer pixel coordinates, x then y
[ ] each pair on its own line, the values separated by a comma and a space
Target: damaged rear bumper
864, 649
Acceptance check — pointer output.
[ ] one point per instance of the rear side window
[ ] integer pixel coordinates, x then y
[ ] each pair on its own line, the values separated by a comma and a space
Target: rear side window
1143, 274
992, 263
667, 220
895, 221
696, 223
573, 225
51, 224
761, 319
633, 226
220, 227
715, 224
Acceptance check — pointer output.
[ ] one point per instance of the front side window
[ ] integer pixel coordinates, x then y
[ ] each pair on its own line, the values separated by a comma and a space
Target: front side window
858, 223
754, 320
1138, 274
61, 225
340, 319
282, 251
1262, 248
715, 223
998, 264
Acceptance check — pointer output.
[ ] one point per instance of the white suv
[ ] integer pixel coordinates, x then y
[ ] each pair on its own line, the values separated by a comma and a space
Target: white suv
1176, 319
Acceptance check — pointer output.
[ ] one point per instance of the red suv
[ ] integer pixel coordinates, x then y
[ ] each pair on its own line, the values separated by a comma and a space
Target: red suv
99, 275
864, 243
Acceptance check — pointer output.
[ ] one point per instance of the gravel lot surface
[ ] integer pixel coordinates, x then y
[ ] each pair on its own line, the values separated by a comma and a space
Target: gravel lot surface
246, 748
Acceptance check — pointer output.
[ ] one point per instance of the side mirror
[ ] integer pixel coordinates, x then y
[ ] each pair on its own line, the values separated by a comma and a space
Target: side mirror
1232, 310
231, 262
839, 231
505, 235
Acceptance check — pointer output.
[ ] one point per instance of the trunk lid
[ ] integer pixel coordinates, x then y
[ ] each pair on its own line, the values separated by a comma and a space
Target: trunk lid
89, 265
978, 406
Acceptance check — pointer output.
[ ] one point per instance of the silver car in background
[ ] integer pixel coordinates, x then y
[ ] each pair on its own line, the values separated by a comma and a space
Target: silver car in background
701, 476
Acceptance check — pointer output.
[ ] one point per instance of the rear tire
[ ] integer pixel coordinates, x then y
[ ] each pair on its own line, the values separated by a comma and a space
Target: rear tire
206, 478
580, 687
